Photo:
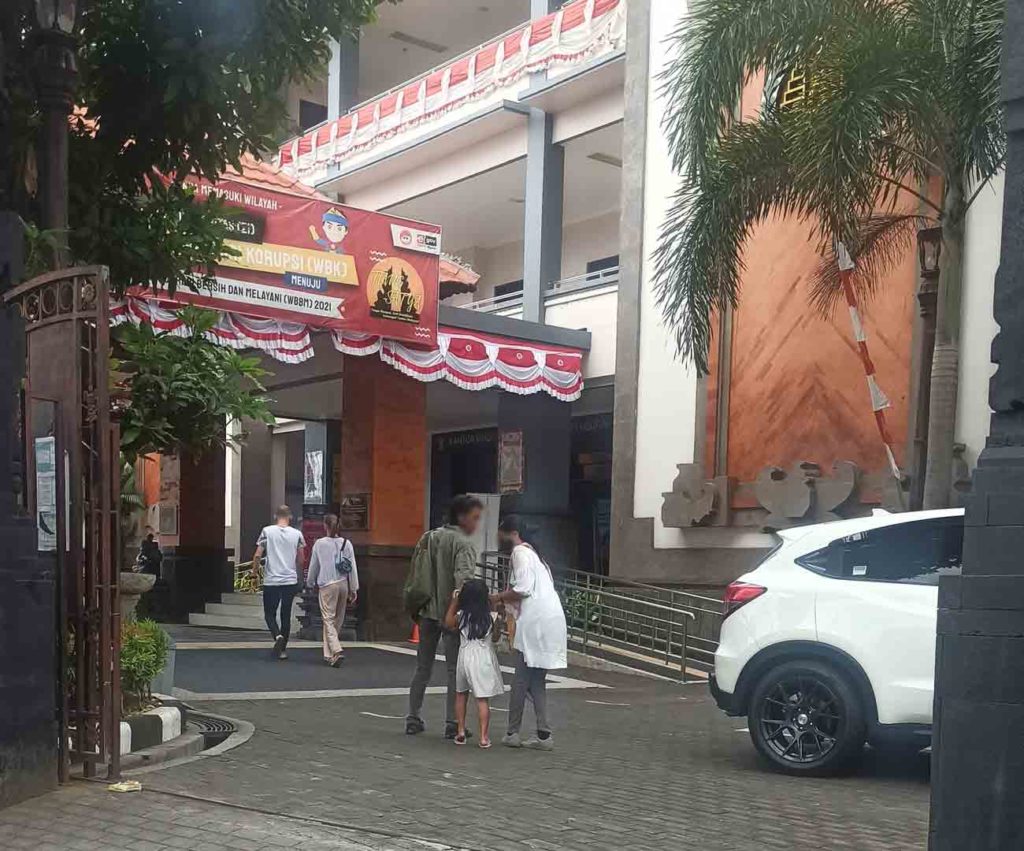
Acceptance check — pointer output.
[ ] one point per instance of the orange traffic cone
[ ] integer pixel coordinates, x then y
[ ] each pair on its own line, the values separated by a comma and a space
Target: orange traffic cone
415, 637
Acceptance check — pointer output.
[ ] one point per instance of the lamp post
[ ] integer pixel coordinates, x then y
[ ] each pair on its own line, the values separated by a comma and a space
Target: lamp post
977, 758
929, 249
55, 78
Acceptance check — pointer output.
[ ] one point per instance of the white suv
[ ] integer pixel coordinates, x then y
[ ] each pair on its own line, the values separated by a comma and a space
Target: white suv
831, 639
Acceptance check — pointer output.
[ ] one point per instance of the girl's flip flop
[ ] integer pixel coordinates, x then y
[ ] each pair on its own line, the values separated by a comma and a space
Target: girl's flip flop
485, 743
460, 739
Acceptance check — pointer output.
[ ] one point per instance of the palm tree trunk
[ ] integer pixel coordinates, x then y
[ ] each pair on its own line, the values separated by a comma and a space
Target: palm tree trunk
938, 478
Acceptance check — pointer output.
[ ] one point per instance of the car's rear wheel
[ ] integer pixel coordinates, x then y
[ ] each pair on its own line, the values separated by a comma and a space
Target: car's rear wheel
805, 717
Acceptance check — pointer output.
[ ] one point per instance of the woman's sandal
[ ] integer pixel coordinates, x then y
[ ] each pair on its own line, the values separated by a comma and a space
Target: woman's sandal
460, 738
336, 660
485, 743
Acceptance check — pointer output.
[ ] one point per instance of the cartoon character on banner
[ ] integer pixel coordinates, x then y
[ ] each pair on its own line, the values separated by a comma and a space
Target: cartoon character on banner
335, 228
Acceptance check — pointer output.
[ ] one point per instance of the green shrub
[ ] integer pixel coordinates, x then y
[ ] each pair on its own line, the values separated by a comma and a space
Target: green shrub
143, 655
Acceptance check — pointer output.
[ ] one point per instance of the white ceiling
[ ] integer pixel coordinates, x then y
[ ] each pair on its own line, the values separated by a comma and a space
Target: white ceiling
487, 210
455, 25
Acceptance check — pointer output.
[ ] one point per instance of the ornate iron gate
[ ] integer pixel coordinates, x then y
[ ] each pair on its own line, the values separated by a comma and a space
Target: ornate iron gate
73, 491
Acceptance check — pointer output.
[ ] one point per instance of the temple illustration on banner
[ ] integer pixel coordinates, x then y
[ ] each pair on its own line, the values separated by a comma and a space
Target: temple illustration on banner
391, 299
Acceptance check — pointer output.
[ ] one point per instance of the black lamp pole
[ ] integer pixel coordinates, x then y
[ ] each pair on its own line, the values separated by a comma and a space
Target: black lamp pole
978, 755
55, 77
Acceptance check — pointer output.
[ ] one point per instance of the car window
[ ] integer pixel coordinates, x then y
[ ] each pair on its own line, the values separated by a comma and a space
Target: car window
918, 553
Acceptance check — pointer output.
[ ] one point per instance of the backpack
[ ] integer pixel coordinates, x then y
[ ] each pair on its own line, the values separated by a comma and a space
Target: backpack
419, 586
342, 563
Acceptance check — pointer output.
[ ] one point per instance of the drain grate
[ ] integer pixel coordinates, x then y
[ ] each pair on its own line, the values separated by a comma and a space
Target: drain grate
213, 730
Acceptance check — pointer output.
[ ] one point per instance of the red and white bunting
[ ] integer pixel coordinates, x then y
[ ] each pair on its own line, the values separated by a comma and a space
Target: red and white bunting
477, 362
576, 32
468, 360
288, 342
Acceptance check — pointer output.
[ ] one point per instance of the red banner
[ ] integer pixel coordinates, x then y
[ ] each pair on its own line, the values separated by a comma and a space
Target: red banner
305, 259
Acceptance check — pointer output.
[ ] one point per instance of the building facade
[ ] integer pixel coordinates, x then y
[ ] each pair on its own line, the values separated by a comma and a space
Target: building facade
531, 132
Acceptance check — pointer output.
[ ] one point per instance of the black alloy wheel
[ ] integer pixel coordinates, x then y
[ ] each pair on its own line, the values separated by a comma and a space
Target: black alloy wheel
806, 718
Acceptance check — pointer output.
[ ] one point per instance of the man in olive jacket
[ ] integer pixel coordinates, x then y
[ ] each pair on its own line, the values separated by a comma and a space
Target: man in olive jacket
443, 560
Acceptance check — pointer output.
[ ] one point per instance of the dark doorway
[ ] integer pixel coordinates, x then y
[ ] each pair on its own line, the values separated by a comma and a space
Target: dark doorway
461, 462
590, 489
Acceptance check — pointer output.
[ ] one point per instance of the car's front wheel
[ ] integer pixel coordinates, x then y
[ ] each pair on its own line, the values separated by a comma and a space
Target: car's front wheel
805, 717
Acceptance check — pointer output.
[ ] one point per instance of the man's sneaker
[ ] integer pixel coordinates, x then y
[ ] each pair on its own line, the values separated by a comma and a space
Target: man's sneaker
279, 644
414, 726
539, 744
452, 730
512, 740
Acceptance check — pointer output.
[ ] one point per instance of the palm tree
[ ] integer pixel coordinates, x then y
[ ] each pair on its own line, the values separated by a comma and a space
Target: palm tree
899, 128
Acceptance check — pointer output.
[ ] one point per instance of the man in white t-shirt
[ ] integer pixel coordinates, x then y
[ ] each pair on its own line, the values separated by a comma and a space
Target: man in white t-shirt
283, 547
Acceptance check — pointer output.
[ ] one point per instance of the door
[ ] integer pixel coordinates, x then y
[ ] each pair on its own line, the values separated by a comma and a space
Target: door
877, 600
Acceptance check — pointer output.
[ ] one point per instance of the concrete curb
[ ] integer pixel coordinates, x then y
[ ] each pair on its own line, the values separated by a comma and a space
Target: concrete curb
243, 732
150, 728
596, 663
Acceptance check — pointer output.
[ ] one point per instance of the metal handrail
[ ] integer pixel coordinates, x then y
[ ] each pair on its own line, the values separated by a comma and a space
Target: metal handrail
677, 631
248, 580
564, 286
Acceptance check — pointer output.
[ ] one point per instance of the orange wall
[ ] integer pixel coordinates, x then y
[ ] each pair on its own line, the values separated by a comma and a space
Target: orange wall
384, 449
798, 391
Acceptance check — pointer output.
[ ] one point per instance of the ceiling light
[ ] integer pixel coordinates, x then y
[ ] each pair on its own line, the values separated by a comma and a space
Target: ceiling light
418, 42
517, 200
607, 159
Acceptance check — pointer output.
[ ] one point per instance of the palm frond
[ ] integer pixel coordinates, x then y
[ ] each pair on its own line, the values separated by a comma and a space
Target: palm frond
721, 44
699, 257
900, 92
881, 244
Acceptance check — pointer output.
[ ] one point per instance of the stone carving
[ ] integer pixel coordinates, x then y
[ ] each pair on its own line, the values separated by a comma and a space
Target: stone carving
832, 491
786, 495
802, 494
695, 500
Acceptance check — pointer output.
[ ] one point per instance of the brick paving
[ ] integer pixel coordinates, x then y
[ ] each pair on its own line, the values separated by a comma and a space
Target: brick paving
666, 771
84, 816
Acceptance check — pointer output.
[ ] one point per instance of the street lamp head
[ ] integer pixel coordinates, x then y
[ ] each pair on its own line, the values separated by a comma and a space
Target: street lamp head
56, 15
929, 249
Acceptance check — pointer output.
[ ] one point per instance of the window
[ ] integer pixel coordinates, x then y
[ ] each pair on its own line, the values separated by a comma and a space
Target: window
602, 264
793, 87
311, 114
509, 288
916, 553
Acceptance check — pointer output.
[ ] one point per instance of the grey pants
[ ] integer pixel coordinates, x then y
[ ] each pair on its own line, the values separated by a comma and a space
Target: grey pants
431, 633
528, 681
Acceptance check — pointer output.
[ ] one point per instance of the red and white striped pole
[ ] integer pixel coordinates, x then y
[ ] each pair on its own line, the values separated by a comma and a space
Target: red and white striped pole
879, 401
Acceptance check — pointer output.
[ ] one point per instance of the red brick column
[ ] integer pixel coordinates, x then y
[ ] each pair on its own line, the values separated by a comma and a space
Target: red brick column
384, 454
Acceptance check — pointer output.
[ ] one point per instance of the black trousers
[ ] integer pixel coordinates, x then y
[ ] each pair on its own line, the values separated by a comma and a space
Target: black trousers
279, 597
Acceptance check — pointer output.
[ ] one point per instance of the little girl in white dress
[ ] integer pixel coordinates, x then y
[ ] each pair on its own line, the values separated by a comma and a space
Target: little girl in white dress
478, 670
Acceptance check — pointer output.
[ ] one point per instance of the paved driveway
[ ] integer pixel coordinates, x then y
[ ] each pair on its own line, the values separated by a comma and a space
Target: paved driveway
639, 764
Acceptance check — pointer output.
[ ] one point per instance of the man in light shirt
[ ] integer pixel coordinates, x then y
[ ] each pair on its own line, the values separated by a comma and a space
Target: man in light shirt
283, 547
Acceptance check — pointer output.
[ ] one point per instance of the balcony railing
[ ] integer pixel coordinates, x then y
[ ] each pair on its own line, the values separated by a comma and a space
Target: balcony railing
580, 31
566, 286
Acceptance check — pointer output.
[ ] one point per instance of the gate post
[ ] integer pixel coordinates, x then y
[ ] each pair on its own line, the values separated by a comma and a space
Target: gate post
72, 448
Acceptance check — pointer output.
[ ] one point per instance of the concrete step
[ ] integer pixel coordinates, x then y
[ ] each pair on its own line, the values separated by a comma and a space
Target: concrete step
244, 600
242, 611
237, 599
235, 621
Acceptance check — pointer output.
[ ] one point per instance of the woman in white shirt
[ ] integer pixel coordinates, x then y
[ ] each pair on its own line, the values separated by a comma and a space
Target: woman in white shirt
332, 572
540, 636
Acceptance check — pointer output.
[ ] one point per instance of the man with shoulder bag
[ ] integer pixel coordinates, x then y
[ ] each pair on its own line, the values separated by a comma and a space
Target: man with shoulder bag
444, 558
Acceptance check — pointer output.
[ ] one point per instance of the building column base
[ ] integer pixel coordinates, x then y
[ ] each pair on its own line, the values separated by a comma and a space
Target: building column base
382, 574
